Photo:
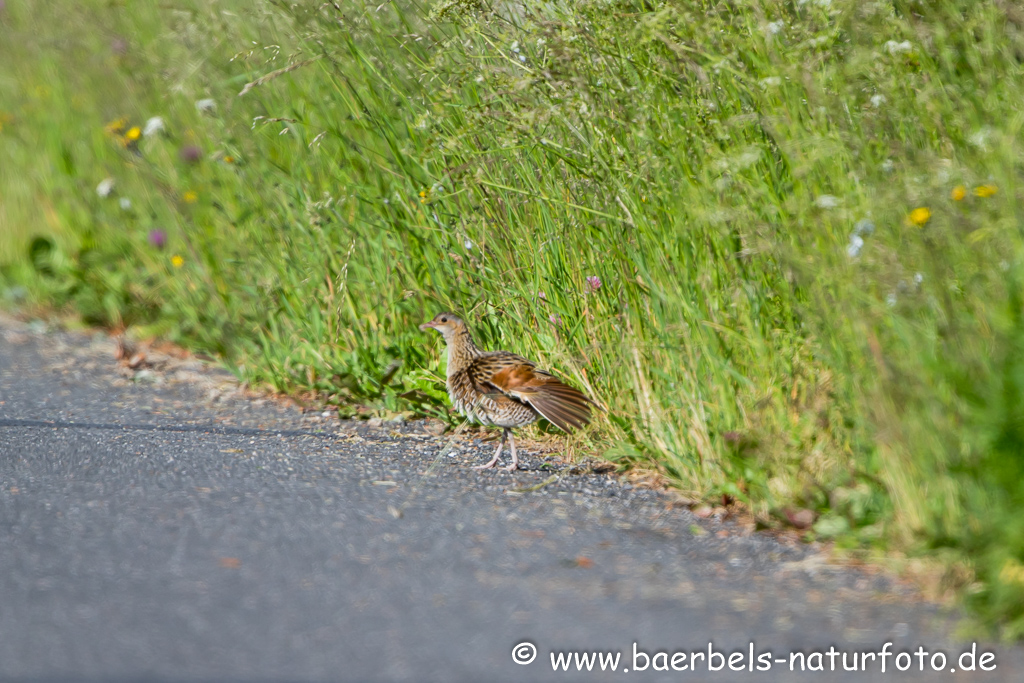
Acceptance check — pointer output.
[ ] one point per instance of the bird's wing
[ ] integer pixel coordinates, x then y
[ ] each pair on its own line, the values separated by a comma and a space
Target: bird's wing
518, 378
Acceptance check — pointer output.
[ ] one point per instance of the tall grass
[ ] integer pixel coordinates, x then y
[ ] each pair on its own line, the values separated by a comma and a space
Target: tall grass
774, 320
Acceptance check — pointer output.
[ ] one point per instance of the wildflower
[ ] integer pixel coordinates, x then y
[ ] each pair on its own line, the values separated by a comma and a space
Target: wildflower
555, 319
877, 101
770, 81
958, 193
826, 201
190, 154
980, 138
855, 245
205, 106
920, 216
887, 166
228, 159
423, 193
864, 226
918, 278
774, 28
125, 203
105, 187
190, 197
468, 244
153, 126
593, 283
891, 299
177, 261
132, 136
158, 239
116, 127
542, 296
985, 190
895, 48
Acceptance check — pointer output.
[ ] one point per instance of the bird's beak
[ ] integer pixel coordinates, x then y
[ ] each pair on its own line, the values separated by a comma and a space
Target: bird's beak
428, 326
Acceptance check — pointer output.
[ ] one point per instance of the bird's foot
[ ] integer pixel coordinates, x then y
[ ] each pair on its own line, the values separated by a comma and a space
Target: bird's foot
488, 466
511, 468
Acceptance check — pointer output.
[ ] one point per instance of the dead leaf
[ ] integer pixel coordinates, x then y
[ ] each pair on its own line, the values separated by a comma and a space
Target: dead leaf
584, 562
801, 519
230, 562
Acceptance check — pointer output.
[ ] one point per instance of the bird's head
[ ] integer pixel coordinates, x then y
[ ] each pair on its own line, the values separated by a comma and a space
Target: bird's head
448, 324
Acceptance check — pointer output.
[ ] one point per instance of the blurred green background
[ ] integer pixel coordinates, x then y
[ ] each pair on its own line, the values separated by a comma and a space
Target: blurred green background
779, 241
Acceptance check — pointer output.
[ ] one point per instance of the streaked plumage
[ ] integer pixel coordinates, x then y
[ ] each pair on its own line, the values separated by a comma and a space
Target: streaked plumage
502, 389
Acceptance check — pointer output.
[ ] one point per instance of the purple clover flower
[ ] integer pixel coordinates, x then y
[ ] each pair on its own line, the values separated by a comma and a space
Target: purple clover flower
158, 238
593, 283
190, 154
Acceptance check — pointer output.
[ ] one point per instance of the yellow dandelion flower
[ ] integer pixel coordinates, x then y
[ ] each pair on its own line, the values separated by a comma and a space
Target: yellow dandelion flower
190, 197
133, 134
177, 261
920, 216
985, 190
229, 159
958, 193
117, 126
423, 193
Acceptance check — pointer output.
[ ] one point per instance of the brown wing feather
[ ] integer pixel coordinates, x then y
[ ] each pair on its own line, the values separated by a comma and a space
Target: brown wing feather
518, 378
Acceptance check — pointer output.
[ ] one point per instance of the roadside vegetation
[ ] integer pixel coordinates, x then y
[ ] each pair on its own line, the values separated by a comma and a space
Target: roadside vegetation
778, 241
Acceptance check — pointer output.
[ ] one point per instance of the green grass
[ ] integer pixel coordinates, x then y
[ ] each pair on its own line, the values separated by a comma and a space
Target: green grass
712, 163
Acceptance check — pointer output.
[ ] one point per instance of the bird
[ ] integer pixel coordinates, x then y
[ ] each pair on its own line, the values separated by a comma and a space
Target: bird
505, 390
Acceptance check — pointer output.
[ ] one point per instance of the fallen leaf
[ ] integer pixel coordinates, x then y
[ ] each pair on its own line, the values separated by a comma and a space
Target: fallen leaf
230, 562
584, 562
801, 519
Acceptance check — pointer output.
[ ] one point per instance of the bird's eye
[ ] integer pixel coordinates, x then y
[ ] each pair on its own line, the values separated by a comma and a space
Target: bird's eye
444, 320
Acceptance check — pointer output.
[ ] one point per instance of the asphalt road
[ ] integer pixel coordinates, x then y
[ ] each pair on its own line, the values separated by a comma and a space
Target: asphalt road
159, 525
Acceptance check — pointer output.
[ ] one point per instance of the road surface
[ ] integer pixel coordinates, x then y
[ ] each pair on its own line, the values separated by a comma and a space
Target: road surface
157, 524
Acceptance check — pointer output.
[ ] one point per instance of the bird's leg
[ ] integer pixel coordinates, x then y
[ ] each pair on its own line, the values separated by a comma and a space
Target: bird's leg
515, 458
497, 454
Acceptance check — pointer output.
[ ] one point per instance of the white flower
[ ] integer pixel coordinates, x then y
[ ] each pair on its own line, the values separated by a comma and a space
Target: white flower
774, 28
887, 166
125, 203
770, 81
105, 187
826, 201
891, 299
153, 126
854, 247
864, 227
522, 58
895, 48
918, 278
980, 138
206, 105
468, 244
877, 101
